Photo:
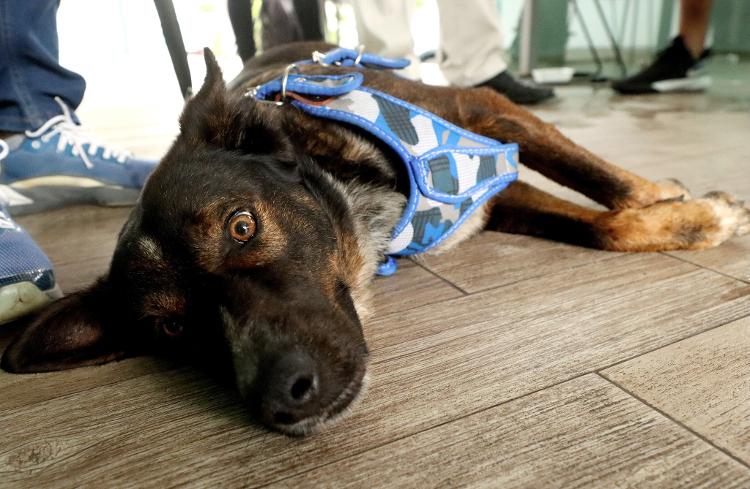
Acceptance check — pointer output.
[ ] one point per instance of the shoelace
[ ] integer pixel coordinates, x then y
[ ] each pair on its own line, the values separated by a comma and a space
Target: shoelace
72, 134
4, 149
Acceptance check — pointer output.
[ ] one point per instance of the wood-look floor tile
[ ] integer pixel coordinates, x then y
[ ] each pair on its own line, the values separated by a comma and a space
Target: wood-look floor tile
582, 433
731, 258
641, 294
493, 259
488, 354
703, 382
411, 286
441, 362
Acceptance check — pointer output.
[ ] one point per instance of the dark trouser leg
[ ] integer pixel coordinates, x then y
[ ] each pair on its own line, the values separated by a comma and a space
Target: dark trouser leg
241, 16
30, 72
308, 14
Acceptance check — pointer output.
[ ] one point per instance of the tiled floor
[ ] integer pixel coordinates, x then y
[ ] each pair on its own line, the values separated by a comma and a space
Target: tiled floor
545, 366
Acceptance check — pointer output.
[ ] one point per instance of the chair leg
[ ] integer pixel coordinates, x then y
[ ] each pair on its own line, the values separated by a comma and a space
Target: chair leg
173, 37
612, 40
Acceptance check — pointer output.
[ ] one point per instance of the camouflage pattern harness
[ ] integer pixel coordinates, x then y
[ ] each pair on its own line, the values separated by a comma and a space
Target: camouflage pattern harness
452, 171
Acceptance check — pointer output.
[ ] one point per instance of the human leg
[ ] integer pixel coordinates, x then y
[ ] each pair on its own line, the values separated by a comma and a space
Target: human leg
471, 51
50, 160
694, 17
471, 42
678, 67
30, 74
383, 27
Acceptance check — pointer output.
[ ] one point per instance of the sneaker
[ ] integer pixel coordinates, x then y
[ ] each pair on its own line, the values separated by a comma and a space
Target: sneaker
58, 164
520, 92
674, 70
27, 281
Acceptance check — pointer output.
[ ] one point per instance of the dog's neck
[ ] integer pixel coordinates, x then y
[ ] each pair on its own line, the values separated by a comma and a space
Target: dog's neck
370, 214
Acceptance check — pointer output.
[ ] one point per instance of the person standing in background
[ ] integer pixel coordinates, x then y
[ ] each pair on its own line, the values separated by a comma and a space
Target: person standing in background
471, 50
677, 68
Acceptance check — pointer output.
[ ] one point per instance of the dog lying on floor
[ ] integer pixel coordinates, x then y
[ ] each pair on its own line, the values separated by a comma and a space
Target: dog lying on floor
255, 239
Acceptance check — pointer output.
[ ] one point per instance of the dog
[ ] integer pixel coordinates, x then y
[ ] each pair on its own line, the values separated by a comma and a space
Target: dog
254, 241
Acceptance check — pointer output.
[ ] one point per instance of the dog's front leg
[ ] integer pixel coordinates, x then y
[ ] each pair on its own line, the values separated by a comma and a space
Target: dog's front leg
548, 151
666, 225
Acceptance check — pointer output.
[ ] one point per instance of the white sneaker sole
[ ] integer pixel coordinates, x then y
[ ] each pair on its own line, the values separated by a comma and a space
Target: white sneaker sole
689, 84
43, 193
19, 299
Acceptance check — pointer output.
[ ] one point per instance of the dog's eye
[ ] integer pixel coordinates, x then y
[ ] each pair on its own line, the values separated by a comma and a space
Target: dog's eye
241, 226
172, 327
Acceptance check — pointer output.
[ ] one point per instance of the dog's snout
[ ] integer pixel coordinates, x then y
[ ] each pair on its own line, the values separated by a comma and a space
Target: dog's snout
289, 390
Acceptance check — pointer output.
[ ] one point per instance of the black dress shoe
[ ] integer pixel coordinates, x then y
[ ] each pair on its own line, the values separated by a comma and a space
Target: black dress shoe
520, 92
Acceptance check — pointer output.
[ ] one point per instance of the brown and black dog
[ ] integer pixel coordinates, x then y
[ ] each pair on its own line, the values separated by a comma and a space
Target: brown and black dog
255, 239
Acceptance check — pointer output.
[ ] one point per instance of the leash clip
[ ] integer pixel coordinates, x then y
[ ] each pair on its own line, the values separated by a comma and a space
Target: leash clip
285, 79
360, 52
253, 92
318, 58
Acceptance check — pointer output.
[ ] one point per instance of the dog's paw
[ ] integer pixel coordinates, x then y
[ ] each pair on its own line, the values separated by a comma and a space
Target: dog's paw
672, 189
732, 217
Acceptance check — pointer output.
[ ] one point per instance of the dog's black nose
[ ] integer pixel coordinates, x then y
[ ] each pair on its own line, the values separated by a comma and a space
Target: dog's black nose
289, 389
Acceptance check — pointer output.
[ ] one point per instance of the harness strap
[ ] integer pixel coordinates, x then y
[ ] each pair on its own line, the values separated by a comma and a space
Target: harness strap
351, 57
451, 171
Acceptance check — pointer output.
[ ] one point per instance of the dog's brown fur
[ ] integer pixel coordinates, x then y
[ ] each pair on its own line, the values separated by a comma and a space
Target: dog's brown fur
282, 310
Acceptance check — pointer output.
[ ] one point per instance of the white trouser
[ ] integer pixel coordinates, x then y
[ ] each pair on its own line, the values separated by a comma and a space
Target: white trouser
470, 51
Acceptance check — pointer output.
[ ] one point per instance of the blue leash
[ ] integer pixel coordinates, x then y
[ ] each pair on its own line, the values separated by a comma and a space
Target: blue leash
452, 171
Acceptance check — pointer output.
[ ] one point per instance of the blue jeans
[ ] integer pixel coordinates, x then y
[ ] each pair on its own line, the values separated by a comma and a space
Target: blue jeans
30, 72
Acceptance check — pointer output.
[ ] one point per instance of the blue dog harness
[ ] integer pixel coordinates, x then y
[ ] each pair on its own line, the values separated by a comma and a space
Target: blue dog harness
452, 171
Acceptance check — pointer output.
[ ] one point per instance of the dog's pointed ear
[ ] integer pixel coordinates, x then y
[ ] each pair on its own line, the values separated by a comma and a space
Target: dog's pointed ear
214, 79
210, 118
71, 332
202, 117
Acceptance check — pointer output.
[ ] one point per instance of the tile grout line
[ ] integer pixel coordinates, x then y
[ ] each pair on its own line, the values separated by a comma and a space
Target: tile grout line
465, 293
692, 335
440, 277
377, 318
520, 280
534, 277
675, 421
704, 267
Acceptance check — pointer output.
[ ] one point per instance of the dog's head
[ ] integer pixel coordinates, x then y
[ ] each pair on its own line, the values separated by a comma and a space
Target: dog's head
238, 253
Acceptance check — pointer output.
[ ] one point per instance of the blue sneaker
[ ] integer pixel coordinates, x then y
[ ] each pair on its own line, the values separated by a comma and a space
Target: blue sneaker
27, 281
58, 165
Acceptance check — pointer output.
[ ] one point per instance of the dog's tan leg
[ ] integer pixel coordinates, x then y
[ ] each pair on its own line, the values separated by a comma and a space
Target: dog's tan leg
667, 225
546, 150
543, 147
